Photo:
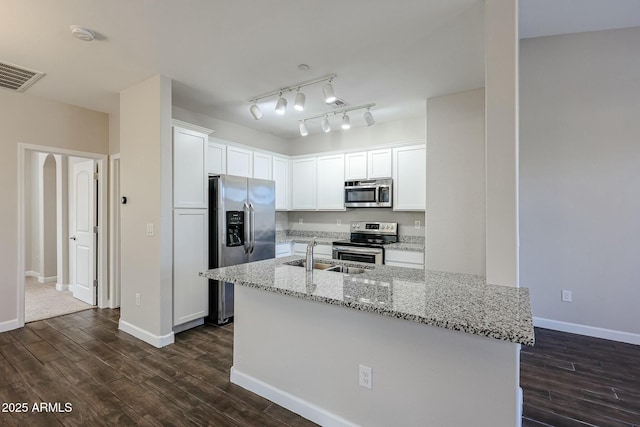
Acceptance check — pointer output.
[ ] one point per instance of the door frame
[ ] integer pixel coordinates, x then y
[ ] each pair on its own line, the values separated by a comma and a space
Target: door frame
114, 235
103, 227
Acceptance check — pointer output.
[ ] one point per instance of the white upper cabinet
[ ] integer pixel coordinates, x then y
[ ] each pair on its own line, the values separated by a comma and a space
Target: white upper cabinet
239, 162
281, 178
355, 166
409, 178
189, 176
330, 182
303, 184
367, 164
216, 158
262, 166
379, 163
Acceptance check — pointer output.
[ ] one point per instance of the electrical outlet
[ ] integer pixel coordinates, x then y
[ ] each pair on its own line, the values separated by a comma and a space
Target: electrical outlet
138, 299
365, 377
566, 296
417, 224
338, 221
300, 221
149, 229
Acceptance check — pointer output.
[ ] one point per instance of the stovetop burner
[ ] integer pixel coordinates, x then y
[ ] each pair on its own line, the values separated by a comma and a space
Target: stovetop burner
371, 234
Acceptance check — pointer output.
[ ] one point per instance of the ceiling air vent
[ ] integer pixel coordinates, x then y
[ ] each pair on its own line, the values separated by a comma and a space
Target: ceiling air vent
16, 78
338, 103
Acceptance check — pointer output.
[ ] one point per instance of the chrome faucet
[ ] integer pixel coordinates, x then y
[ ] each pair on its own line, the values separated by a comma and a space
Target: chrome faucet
309, 262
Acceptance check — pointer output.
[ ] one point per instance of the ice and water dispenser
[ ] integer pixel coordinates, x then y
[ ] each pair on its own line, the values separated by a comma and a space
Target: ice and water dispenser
235, 228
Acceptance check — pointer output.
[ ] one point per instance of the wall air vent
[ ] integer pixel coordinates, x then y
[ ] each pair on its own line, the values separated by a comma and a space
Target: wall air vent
17, 78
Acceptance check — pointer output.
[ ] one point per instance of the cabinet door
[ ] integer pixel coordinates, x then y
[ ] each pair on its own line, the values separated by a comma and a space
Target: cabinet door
262, 166
379, 163
239, 162
189, 177
303, 184
281, 178
190, 291
355, 166
330, 181
216, 158
409, 178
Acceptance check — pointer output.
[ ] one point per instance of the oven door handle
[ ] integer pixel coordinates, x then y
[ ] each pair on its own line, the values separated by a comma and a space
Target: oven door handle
372, 251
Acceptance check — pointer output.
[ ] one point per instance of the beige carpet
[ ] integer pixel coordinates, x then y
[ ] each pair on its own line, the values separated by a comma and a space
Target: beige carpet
42, 301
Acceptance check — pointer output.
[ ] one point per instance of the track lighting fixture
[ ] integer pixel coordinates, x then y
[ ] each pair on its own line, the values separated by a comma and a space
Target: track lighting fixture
326, 127
368, 118
255, 111
299, 103
329, 94
303, 129
346, 122
281, 105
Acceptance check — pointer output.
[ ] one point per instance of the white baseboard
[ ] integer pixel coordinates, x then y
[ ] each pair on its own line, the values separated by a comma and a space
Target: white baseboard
189, 325
293, 403
47, 279
61, 287
157, 341
590, 331
31, 273
9, 325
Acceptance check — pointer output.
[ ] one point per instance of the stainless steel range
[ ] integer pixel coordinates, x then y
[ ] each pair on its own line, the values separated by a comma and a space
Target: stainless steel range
367, 242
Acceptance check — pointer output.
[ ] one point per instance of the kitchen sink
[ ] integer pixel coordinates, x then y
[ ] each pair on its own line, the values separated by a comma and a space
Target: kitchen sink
329, 267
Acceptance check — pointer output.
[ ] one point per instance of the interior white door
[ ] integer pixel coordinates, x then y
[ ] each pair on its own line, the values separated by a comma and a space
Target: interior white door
82, 220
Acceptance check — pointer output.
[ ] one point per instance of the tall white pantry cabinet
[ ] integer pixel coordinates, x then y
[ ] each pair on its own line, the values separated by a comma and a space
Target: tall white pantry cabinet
190, 223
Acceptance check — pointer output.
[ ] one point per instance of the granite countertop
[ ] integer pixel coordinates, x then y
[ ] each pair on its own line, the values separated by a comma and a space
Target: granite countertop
460, 302
400, 246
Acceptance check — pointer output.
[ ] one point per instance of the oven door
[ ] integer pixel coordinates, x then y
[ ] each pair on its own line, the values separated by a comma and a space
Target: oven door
351, 253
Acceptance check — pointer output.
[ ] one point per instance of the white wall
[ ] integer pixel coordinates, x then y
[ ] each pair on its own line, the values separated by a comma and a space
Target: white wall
233, 132
32, 120
145, 178
580, 177
456, 183
409, 130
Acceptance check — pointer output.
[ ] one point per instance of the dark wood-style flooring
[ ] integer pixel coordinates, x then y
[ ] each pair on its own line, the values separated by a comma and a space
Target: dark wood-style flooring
111, 378
573, 380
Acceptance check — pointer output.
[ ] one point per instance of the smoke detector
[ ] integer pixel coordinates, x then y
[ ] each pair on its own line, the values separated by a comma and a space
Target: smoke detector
82, 33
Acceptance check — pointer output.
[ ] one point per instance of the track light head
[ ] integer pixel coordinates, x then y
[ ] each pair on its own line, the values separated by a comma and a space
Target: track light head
368, 117
255, 111
303, 129
329, 94
326, 127
281, 105
346, 122
299, 103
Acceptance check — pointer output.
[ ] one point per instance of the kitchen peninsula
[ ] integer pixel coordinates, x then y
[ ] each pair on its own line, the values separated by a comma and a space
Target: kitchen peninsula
443, 347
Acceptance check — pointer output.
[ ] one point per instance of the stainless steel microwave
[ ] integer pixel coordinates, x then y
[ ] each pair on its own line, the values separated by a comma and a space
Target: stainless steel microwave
373, 193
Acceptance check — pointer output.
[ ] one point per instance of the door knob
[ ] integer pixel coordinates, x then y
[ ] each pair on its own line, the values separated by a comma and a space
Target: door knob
72, 238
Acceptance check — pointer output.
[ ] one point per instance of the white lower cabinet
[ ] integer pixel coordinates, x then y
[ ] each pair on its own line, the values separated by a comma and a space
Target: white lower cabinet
300, 249
322, 251
190, 291
283, 249
408, 259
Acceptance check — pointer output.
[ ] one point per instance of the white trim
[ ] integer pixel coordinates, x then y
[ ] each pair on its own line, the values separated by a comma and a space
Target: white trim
191, 126
47, 279
189, 325
293, 403
114, 205
590, 331
157, 341
31, 273
62, 287
9, 325
101, 160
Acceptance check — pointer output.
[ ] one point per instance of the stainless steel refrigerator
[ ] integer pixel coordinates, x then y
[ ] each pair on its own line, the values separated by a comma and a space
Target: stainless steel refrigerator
242, 228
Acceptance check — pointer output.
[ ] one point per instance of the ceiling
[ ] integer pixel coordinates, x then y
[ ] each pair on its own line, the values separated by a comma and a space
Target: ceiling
221, 53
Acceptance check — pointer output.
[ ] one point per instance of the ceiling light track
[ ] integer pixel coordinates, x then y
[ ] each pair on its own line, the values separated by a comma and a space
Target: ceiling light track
341, 111
292, 88
346, 121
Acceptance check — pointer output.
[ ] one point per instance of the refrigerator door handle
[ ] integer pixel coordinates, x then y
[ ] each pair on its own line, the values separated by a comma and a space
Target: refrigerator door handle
252, 227
247, 225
